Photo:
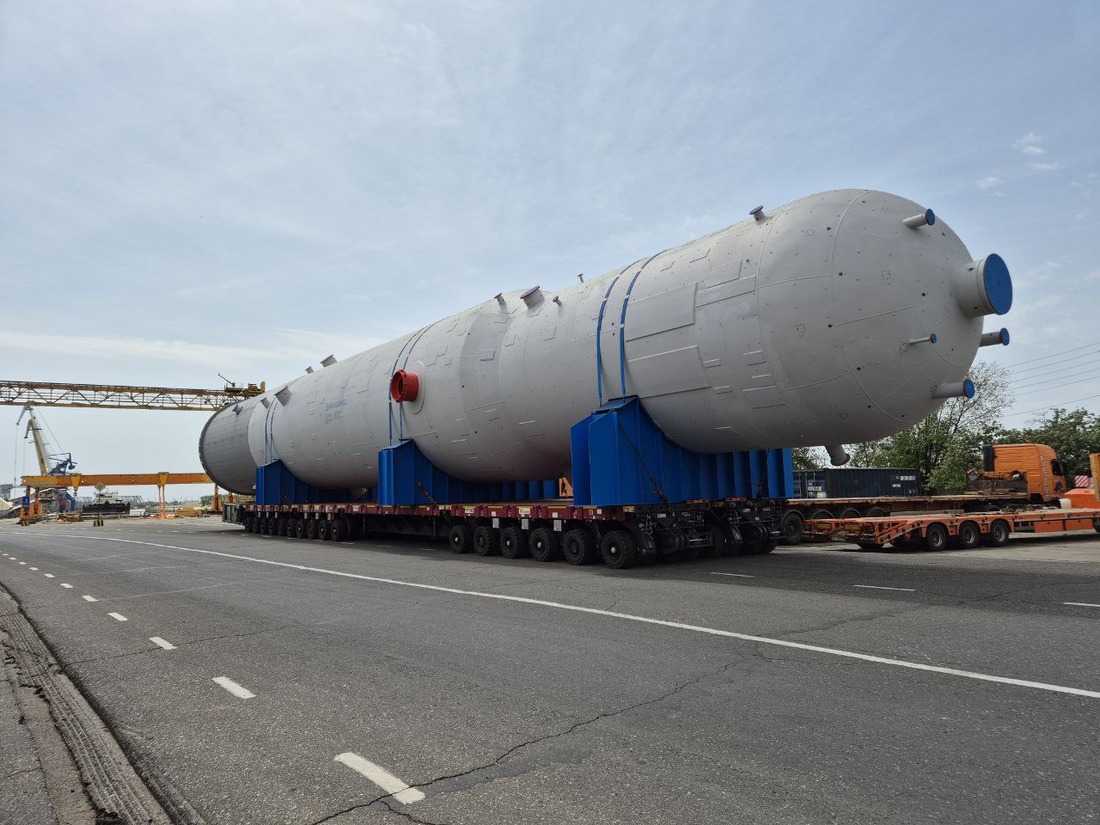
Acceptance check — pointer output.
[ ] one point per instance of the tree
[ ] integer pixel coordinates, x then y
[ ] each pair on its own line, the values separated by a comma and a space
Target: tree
1072, 434
945, 444
809, 458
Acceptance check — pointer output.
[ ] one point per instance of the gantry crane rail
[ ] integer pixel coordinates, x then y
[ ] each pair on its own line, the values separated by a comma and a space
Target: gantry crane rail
121, 397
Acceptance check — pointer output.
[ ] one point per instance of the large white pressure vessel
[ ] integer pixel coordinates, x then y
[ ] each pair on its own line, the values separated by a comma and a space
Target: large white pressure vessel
839, 318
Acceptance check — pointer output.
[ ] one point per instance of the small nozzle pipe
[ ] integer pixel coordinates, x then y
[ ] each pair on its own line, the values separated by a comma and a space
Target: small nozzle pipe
927, 339
329, 361
991, 339
309, 370
925, 218
955, 389
283, 395
837, 454
758, 213
580, 277
500, 299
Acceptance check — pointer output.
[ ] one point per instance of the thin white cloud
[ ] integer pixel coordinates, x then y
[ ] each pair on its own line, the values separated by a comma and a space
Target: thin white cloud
1034, 151
213, 356
1045, 167
1029, 140
990, 182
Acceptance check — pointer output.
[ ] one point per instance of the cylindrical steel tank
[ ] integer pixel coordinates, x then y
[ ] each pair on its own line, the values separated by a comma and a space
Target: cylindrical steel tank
839, 318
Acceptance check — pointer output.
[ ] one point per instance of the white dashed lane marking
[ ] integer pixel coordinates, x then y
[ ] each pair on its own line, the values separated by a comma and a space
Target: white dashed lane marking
49, 575
633, 617
880, 587
67, 586
118, 617
234, 688
89, 598
1080, 604
159, 642
401, 791
733, 575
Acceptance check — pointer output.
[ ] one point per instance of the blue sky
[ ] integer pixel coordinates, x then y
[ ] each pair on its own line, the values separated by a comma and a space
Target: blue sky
245, 188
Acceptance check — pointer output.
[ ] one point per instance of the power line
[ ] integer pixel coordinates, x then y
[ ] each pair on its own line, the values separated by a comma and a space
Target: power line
1059, 383
1043, 375
1049, 407
1049, 357
1083, 356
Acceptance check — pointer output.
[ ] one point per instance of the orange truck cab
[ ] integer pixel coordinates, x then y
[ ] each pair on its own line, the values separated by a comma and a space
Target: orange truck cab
1034, 469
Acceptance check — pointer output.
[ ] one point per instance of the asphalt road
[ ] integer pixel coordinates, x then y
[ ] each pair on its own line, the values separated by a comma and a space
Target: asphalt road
269, 680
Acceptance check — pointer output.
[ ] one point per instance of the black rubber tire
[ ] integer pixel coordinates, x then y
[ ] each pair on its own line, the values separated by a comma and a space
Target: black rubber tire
998, 533
324, 530
691, 552
578, 546
545, 544
312, 529
793, 527
299, 528
338, 530
970, 535
1096, 525
513, 543
269, 526
876, 512
486, 541
821, 513
935, 538
619, 550
768, 546
850, 512
461, 538
250, 524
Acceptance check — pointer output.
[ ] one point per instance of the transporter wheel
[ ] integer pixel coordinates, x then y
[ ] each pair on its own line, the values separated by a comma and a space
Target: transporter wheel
793, 526
324, 530
850, 512
286, 527
312, 529
579, 546
486, 541
299, 529
619, 550
691, 552
821, 513
998, 533
513, 543
338, 530
970, 535
545, 545
461, 538
250, 524
1096, 525
876, 512
268, 526
767, 546
935, 537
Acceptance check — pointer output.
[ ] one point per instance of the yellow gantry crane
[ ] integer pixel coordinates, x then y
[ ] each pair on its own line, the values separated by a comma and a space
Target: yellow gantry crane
121, 397
30, 394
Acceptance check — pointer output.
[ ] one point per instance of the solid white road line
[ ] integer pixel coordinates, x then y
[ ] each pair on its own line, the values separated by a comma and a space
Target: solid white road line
118, 617
159, 642
594, 611
49, 575
401, 791
1081, 604
89, 598
880, 587
735, 575
67, 586
234, 688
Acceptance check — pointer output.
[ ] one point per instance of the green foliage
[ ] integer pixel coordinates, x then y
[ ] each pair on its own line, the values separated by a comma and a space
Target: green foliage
944, 445
809, 458
1073, 435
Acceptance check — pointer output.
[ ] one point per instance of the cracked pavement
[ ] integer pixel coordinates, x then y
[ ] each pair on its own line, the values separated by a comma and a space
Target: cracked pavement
508, 712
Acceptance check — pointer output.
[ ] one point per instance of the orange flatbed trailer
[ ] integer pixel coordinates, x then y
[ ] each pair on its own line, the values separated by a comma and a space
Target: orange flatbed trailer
938, 531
